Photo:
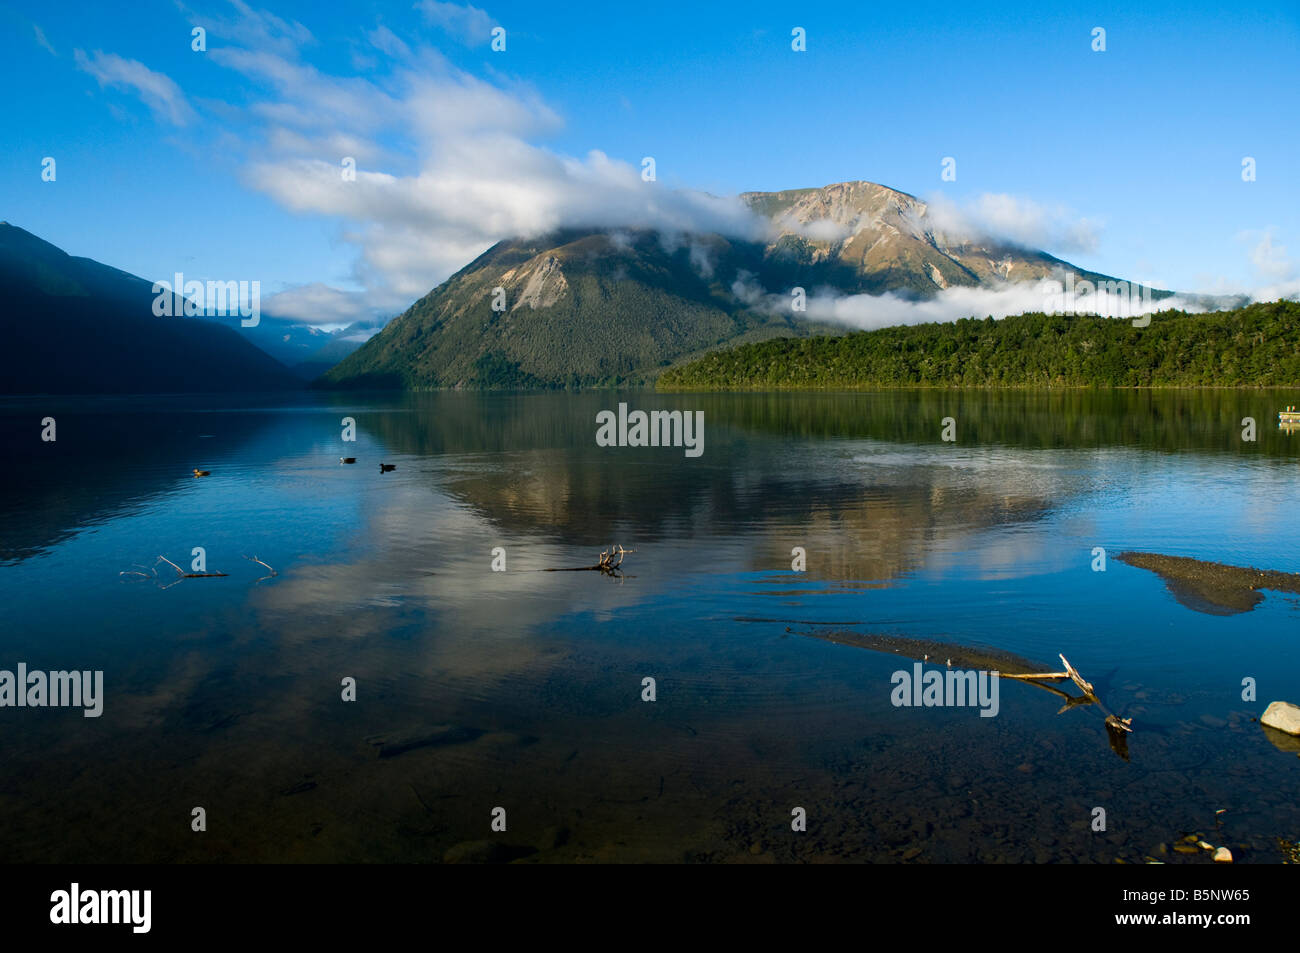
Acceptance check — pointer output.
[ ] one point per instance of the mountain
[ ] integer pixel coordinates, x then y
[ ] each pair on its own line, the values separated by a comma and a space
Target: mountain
617, 306
74, 326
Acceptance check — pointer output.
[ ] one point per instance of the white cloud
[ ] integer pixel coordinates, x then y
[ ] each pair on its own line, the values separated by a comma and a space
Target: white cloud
157, 90
388, 42
465, 22
1275, 274
1270, 261
1277, 271
319, 304
868, 312
417, 229
42, 41
254, 28
447, 165
1011, 219
820, 229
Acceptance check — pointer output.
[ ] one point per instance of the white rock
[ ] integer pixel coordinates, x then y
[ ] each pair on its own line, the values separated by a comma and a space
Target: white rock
1223, 856
1283, 716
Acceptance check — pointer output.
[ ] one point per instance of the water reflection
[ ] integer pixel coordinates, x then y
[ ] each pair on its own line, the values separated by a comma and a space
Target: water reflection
477, 688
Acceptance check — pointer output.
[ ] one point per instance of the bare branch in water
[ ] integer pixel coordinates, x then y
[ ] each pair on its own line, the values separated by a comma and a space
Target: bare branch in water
1089, 695
271, 571
179, 571
609, 563
190, 575
1005, 664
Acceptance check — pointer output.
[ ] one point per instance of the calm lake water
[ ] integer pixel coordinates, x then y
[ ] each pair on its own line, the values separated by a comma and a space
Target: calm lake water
522, 689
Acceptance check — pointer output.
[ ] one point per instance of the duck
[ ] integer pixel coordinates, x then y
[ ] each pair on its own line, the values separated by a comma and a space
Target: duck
199, 473
385, 467
347, 459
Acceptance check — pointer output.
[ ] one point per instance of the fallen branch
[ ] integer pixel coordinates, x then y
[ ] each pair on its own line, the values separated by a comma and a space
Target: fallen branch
606, 566
151, 572
1003, 663
189, 575
1089, 695
1117, 729
260, 563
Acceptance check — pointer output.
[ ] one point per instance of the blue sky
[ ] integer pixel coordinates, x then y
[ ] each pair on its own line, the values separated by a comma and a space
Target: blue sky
225, 163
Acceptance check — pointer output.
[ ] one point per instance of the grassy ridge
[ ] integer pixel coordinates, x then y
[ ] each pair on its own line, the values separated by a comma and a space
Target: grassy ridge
1258, 345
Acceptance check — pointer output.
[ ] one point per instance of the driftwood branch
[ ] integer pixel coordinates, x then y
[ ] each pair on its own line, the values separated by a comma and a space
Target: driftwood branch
181, 574
189, 575
1116, 728
149, 572
1089, 695
270, 571
608, 564
1003, 664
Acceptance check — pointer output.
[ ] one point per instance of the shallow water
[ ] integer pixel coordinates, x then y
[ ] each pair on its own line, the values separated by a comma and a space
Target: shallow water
522, 689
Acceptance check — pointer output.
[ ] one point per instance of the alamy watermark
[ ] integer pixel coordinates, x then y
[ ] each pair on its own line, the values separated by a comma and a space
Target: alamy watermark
954, 688
76, 906
52, 690
1110, 299
208, 299
658, 428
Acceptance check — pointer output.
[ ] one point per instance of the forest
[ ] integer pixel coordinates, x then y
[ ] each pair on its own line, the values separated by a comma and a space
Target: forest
1254, 346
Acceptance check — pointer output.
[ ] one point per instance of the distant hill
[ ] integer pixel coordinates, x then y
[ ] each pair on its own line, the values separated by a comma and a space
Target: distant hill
1258, 345
74, 326
617, 306
306, 350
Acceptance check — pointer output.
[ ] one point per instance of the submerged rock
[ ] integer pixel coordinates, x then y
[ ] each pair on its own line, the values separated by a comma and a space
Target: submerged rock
1223, 856
1282, 716
391, 747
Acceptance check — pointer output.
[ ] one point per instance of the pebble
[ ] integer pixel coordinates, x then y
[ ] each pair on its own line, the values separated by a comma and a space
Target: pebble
1223, 856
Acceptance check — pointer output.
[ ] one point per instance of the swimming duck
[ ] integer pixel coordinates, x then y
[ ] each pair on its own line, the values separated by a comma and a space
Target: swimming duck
385, 467
199, 473
347, 459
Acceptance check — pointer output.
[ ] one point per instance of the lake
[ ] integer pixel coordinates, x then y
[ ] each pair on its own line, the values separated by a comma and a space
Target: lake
524, 689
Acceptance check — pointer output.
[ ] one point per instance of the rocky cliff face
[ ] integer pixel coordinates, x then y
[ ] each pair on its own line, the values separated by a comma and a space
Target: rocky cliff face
888, 240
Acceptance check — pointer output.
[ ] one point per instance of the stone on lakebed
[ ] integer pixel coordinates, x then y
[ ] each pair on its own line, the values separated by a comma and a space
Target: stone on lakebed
1283, 716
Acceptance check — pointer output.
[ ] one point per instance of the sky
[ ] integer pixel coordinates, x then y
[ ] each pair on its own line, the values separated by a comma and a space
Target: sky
228, 162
